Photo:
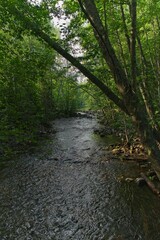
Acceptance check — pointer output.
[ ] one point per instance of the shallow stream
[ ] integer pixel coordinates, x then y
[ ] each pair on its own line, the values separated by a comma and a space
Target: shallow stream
69, 188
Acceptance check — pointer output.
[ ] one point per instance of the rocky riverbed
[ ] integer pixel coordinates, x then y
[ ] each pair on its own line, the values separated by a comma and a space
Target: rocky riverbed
69, 188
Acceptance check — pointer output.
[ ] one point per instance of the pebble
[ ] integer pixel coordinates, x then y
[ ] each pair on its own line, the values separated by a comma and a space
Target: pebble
129, 179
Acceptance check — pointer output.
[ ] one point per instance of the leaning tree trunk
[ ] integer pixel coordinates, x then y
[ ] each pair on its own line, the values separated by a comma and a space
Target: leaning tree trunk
129, 103
126, 87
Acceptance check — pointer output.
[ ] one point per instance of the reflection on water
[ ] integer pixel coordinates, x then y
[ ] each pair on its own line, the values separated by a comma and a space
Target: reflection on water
69, 188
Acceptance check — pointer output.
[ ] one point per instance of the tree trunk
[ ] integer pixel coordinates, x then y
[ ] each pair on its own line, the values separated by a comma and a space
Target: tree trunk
125, 27
133, 43
129, 103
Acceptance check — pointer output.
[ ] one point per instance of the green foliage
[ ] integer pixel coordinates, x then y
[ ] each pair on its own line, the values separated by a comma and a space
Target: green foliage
35, 88
30, 81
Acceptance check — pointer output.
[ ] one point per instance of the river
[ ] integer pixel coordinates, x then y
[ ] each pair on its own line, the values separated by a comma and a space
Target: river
70, 188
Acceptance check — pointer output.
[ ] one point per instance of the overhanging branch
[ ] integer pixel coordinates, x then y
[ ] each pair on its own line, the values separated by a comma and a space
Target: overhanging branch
53, 44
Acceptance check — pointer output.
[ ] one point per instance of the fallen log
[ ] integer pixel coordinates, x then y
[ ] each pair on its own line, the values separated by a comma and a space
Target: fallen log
150, 185
157, 174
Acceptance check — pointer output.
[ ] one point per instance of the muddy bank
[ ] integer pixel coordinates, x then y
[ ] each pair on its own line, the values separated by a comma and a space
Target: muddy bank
70, 188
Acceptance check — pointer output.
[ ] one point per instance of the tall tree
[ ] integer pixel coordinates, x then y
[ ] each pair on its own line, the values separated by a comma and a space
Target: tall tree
128, 97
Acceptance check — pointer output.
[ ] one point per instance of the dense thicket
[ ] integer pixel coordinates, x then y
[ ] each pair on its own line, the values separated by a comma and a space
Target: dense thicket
34, 88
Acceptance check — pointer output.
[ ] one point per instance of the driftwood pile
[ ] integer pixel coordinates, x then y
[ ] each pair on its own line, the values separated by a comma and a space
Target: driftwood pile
134, 152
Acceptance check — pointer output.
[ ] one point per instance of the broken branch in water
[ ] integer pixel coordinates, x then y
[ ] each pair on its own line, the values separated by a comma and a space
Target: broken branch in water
150, 185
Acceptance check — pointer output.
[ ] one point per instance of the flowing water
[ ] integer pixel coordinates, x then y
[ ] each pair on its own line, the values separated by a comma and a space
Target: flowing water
70, 188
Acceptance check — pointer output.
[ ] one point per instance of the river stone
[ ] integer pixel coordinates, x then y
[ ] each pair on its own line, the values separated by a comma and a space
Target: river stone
140, 181
129, 179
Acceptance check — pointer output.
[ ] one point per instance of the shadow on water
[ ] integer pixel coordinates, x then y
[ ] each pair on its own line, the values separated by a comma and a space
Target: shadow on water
108, 140
69, 188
